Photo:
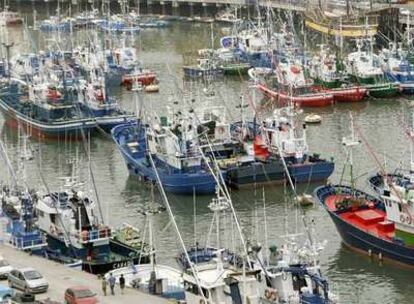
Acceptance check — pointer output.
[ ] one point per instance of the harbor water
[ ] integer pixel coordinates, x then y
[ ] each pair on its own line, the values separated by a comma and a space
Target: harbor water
381, 125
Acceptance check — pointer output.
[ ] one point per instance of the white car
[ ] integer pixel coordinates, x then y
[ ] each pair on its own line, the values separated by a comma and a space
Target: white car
28, 279
5, 269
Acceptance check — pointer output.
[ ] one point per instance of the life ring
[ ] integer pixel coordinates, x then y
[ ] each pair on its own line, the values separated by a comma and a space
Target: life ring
274, 296
402, 218
220, 130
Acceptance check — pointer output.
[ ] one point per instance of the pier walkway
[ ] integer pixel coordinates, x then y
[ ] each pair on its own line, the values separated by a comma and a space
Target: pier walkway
61, 277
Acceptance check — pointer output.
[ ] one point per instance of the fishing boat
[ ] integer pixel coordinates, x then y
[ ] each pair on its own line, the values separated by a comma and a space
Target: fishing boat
153, 278
117, 26
273, 150
234, 68
323, 69
132, 71
94, 102
284, 137
397, 67
55, 23
364, 68
42, 110
180, 170
205, 68
21, 229
250, 44
349, 93
368, 224
305, 99
68, 220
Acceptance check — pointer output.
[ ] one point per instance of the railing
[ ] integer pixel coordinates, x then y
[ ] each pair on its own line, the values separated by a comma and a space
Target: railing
21, 243
88, 236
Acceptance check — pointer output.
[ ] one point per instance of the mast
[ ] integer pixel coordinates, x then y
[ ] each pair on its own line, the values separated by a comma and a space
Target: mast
411, 134
151, 241
349, 143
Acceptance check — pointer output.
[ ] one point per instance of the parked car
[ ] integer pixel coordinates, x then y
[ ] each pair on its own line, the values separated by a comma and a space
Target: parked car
80, 295
5, 268
28, 279
5, 293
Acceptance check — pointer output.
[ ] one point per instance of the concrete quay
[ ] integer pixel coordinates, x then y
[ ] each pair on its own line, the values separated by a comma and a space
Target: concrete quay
61, 277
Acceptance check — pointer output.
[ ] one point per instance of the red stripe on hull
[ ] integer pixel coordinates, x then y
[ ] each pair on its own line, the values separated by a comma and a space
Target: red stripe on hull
313, 100
37, 133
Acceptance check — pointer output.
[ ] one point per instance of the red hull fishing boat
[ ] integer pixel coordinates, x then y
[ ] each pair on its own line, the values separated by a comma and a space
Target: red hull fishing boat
319, 99
353, 94
347, 94
143, 77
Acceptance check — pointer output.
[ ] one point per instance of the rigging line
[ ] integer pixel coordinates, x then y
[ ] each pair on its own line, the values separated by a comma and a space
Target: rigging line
38, 165
165, 198
86, 148
382, 170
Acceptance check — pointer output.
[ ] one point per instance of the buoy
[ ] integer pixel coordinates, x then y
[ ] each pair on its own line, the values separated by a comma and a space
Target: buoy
313, 118
380, 256
305, 199
152, 88
369, 252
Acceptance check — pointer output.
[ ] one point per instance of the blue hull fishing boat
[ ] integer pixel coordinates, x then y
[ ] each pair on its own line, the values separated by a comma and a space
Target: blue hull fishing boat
381, 226
73, 229
364, 223
204, 68
18, 207
95, 102
397, 67
274, 149
43, 112
182, 174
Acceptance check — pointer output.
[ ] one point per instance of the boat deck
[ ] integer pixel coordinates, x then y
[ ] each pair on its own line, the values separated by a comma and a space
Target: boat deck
366, 218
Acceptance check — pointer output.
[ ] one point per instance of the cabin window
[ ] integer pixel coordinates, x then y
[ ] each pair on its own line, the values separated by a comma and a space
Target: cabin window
399, 207
298, 282
53, 218
40, 213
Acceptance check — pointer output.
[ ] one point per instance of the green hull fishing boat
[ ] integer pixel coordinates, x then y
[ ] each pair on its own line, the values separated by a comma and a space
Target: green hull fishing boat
383, 90
235, 68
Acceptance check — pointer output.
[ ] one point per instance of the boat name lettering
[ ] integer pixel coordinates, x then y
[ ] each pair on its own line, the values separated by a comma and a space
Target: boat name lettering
120, 264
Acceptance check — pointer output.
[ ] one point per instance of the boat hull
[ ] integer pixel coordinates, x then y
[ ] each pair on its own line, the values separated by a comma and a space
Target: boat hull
122, 255
354, 94
144, 79
383, 90
361, 240
309, 100
255, 173
308, 172
69, 129
138, 164
194, 72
